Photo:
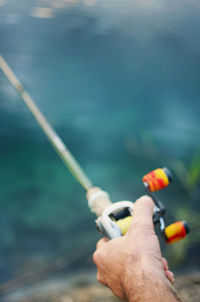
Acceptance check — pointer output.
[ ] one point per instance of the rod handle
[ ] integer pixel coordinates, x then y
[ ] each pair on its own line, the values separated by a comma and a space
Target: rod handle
98, 200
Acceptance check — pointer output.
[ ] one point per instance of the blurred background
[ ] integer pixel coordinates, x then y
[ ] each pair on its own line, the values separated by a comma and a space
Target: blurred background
120, 83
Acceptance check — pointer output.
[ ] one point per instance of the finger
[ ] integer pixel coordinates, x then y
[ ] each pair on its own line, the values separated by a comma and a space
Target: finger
165, 264
101, 279
170, 276
101, 242
143, 210
142, 213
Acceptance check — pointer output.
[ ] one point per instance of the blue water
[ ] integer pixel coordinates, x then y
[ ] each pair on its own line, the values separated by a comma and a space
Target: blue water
119, 80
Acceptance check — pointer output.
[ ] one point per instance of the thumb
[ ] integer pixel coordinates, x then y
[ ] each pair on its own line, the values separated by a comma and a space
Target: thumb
142, 214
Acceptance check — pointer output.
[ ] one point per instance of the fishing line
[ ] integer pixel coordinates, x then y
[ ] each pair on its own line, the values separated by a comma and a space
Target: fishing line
64, 153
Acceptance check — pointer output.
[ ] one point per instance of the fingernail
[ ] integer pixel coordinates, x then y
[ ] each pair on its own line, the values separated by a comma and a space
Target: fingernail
172, 276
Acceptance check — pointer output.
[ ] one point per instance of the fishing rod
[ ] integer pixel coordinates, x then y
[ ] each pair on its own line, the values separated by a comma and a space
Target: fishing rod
113, 219
53, 137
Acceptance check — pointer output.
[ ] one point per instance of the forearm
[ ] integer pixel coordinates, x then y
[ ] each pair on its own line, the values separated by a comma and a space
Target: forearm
148, 288
154, 293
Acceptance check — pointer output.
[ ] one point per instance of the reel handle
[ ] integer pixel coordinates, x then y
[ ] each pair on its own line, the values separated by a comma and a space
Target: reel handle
156, 180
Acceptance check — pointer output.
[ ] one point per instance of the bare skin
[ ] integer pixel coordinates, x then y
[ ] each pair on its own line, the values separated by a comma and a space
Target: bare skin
132, 266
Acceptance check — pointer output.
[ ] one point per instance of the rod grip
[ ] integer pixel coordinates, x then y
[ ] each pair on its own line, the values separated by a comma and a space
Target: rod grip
98, 200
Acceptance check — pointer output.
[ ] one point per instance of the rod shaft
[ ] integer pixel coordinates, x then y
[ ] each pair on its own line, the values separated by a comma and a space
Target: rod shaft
53, 137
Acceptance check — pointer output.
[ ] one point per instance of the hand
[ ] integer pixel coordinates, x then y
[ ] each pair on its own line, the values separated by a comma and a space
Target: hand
132, 265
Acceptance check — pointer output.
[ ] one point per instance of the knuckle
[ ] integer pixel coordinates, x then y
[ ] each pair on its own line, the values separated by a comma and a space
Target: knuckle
100, 279
95, 257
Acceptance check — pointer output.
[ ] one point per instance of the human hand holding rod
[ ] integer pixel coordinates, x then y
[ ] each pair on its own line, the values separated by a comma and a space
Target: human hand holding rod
132, 265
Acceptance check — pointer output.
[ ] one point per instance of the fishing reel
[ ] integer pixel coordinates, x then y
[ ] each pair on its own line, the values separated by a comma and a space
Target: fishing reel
115, 219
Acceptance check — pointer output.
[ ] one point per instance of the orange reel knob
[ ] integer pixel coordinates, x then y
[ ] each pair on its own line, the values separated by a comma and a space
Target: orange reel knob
157, 179
176, 231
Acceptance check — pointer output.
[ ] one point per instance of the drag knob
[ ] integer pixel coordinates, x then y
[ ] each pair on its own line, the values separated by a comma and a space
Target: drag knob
176, 231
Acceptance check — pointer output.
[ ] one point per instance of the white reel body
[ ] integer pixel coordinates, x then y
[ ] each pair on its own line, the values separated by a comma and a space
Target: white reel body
116, 219
107, 222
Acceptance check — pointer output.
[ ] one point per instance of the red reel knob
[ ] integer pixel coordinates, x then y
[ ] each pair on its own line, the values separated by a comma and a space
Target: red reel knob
176, 231
157, 179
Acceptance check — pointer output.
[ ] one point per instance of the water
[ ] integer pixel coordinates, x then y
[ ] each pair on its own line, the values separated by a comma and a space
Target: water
119, 80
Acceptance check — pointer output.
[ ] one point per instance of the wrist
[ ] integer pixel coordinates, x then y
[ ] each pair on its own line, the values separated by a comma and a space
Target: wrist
147, 284
148, 289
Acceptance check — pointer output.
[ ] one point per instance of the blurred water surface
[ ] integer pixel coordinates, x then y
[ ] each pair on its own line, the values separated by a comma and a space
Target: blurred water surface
119, 81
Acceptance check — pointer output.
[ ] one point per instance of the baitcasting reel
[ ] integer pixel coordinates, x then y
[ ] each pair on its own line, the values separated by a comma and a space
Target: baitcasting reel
116, 218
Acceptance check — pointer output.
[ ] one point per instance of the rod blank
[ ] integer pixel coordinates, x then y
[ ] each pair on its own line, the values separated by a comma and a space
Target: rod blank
53, 137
